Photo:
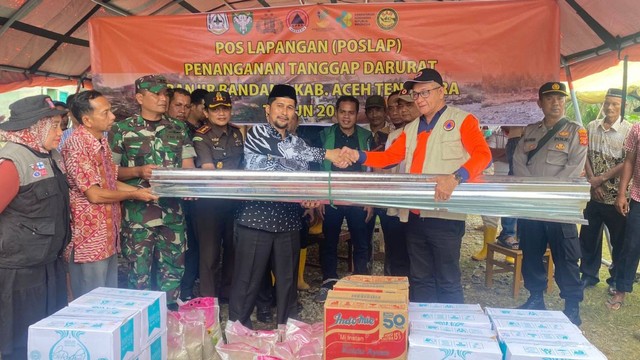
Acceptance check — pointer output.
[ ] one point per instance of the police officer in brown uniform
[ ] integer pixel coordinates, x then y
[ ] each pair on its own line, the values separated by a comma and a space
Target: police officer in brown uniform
219, 145
554, 147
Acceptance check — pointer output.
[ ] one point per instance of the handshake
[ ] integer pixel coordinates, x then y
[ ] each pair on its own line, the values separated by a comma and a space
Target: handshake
342, 158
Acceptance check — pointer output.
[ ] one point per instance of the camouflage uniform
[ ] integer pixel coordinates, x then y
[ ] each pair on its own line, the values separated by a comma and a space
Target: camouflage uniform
152, 231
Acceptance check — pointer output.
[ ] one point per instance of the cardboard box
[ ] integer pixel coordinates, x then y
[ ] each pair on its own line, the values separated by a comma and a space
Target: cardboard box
542, 337
516, 351
452, 319
460, 308
157, 350
451, 331
372, 328
527, 315
509, 324
440, 347
81, 312
151, 305
378, 279
59, 337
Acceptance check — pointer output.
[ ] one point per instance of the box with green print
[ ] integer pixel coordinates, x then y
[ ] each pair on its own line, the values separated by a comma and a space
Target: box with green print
152, 306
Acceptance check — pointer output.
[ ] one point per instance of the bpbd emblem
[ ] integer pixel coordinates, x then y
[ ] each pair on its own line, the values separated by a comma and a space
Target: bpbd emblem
449, 125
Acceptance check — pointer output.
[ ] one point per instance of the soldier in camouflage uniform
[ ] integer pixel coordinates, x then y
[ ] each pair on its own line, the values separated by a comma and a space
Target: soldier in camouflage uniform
153, 234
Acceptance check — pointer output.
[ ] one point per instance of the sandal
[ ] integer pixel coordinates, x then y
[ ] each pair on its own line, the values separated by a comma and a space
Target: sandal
508, 242
614, 305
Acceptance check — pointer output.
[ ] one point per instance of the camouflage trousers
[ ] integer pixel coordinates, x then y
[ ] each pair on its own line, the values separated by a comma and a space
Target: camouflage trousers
156, 257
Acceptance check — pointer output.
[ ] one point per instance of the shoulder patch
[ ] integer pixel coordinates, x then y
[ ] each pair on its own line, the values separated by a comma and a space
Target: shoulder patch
449, 125
203, 129
582, 134
197, 138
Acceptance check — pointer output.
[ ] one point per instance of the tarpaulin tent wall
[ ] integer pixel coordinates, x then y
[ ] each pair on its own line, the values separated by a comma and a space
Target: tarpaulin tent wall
45, 42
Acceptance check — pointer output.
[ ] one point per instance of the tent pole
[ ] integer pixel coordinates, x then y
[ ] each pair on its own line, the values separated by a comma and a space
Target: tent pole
25, 9
574, 98
624, 86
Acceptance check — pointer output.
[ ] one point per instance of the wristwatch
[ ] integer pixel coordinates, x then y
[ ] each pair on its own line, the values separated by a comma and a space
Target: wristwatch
457, 177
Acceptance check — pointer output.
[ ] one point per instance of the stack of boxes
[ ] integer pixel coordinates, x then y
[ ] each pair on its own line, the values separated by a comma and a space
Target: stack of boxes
107, 323
536, 334
365, 317
451, 331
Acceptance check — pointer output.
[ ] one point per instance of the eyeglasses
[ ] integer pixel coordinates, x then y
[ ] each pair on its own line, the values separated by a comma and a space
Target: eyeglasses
423, 94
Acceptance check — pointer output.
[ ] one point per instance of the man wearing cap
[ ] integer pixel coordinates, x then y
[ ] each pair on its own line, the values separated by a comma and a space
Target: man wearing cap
443, 140
34, 221
197, 116
605, 159
269, 232
153, 234
553, 147
95, 196
219, 145
344, 134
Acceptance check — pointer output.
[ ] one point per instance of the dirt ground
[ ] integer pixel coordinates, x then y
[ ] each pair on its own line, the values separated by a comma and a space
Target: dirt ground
615, 333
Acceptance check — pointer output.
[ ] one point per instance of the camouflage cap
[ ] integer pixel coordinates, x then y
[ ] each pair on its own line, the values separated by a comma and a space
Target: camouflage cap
153, 83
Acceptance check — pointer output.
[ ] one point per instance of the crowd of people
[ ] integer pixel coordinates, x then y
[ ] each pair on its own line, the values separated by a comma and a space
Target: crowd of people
73, 200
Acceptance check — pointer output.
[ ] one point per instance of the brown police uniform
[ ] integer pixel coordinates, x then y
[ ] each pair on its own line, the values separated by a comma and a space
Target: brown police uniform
224, 148
563, 157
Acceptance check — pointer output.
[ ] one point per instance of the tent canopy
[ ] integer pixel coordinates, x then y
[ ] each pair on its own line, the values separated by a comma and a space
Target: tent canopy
45, 42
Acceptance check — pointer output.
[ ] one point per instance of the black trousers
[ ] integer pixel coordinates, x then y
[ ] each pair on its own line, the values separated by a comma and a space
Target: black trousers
254, 250
191, 256
396, 257
630, 254
331, 227
434, 253
591, 240
214, 230
563, 241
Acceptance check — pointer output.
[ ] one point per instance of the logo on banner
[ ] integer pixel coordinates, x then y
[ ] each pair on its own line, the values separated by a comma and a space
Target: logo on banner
297, 21
218, 23
345, 19
387, 19
324, 20
269, 24
243, 22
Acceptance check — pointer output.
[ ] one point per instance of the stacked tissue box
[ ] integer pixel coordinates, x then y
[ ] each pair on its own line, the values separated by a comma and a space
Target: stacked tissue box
109, 324
538, 334
451, 331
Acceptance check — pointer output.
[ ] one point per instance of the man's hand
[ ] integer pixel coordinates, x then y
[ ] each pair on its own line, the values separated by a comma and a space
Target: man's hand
622, 205
144, 171
310, 204
144, 194
596, 181
335, 156
351, 154
598, 193
369, 211
445, 184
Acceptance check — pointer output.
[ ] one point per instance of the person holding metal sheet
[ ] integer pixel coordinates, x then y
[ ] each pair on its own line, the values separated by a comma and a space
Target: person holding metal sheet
269, 232
447, 142
553, 147
153, 234
219, 145
604, 165
34, 221
345, 133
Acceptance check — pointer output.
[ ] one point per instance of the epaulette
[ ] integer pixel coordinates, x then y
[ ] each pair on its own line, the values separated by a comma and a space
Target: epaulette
203, 129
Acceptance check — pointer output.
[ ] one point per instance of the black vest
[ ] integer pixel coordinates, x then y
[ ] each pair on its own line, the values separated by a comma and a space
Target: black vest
35, 226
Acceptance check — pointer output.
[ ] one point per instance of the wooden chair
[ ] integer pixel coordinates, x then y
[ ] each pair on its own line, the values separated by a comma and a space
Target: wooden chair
502, 266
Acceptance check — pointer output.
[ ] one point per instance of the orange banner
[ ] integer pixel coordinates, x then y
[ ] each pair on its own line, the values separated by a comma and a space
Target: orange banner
493, 55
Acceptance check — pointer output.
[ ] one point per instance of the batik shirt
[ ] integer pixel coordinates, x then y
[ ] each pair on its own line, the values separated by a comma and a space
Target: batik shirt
266, 150
94, 227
